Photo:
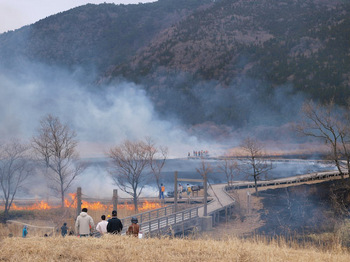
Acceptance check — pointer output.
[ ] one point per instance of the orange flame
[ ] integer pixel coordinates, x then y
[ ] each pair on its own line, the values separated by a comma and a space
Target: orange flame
42, 205
149, 206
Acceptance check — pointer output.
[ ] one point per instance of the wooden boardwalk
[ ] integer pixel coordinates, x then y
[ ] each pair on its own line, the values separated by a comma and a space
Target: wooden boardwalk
221, 203
221, 198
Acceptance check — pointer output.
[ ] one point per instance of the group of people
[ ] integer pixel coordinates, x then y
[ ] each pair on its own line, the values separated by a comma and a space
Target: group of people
84, 225
200, 153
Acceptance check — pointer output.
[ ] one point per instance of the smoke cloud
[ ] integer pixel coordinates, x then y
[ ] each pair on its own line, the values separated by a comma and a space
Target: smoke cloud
104, 115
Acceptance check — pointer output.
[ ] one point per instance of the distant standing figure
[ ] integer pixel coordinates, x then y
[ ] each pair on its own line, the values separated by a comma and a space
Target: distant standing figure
161, 191
189, 190
24, 231
102, 226
84, 224
180, 190
134, 228
114, 225
64, 229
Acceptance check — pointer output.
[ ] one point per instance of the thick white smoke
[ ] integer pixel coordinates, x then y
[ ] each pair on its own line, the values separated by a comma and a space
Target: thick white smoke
102, 116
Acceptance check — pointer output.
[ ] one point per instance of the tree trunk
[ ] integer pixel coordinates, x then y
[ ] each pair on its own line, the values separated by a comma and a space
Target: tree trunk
256, 185
62, 196
6, 215
336, 160
135, 202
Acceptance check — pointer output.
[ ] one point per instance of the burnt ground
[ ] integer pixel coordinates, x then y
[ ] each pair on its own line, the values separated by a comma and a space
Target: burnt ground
287, 210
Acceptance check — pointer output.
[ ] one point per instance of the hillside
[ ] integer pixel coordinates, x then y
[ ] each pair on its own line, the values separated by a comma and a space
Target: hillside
237, 52
302, 43
94, 35
204, 62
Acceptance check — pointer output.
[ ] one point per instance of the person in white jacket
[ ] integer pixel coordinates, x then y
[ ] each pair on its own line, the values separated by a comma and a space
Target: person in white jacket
84, 224
102, 226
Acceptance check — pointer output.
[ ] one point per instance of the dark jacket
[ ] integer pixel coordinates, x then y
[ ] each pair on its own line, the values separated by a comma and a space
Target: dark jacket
114, 225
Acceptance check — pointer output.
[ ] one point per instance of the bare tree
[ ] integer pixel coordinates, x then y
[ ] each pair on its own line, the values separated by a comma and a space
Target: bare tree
55, 144
228, 167
255, 163
204, 169
158, 156
15, 168
331, 125
128, 162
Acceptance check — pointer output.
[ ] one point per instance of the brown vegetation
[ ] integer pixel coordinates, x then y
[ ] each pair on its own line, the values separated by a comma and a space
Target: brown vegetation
122, 248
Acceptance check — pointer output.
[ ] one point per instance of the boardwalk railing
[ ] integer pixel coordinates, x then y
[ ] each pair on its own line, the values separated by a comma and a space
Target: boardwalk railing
147, 216
225, 211
287, 180
164, 223
162, 219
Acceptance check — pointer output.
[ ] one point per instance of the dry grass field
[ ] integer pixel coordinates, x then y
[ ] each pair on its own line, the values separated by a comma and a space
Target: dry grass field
230, 241
124, 248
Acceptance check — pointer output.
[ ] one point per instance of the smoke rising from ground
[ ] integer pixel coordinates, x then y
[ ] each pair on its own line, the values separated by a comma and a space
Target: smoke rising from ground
105, 115
102, 116
228, 114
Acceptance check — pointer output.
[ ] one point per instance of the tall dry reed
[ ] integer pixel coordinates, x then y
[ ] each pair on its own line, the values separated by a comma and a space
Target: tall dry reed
123, 248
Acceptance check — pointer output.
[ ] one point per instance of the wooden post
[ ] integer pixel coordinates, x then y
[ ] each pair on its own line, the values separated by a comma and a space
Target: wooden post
205, 195
115, 199
175, 191
78, 200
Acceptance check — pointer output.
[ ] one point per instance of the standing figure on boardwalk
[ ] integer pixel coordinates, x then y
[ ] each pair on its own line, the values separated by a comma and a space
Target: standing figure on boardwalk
189, 190
84, 224
180, 190
134, 228
114, 225
161, 191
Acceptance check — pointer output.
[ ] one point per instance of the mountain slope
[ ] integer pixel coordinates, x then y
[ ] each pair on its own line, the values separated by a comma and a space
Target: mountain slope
303, 43
94, 35
228, 62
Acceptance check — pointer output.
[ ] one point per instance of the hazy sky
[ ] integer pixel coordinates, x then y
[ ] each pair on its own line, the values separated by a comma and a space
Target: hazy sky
17, 13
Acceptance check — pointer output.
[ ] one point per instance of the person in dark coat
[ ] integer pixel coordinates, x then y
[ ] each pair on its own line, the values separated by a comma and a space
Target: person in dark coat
114, 225
64, 229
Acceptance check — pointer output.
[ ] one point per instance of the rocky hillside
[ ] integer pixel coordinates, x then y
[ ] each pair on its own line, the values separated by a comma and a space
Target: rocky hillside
204, 60
94, 35
303, 43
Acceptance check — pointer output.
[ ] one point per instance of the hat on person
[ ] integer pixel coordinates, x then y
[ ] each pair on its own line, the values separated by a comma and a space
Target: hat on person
114, 212
109, 216
134, 220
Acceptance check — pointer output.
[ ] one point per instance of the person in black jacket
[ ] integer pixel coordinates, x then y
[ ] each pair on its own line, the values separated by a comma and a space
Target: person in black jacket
114, 225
